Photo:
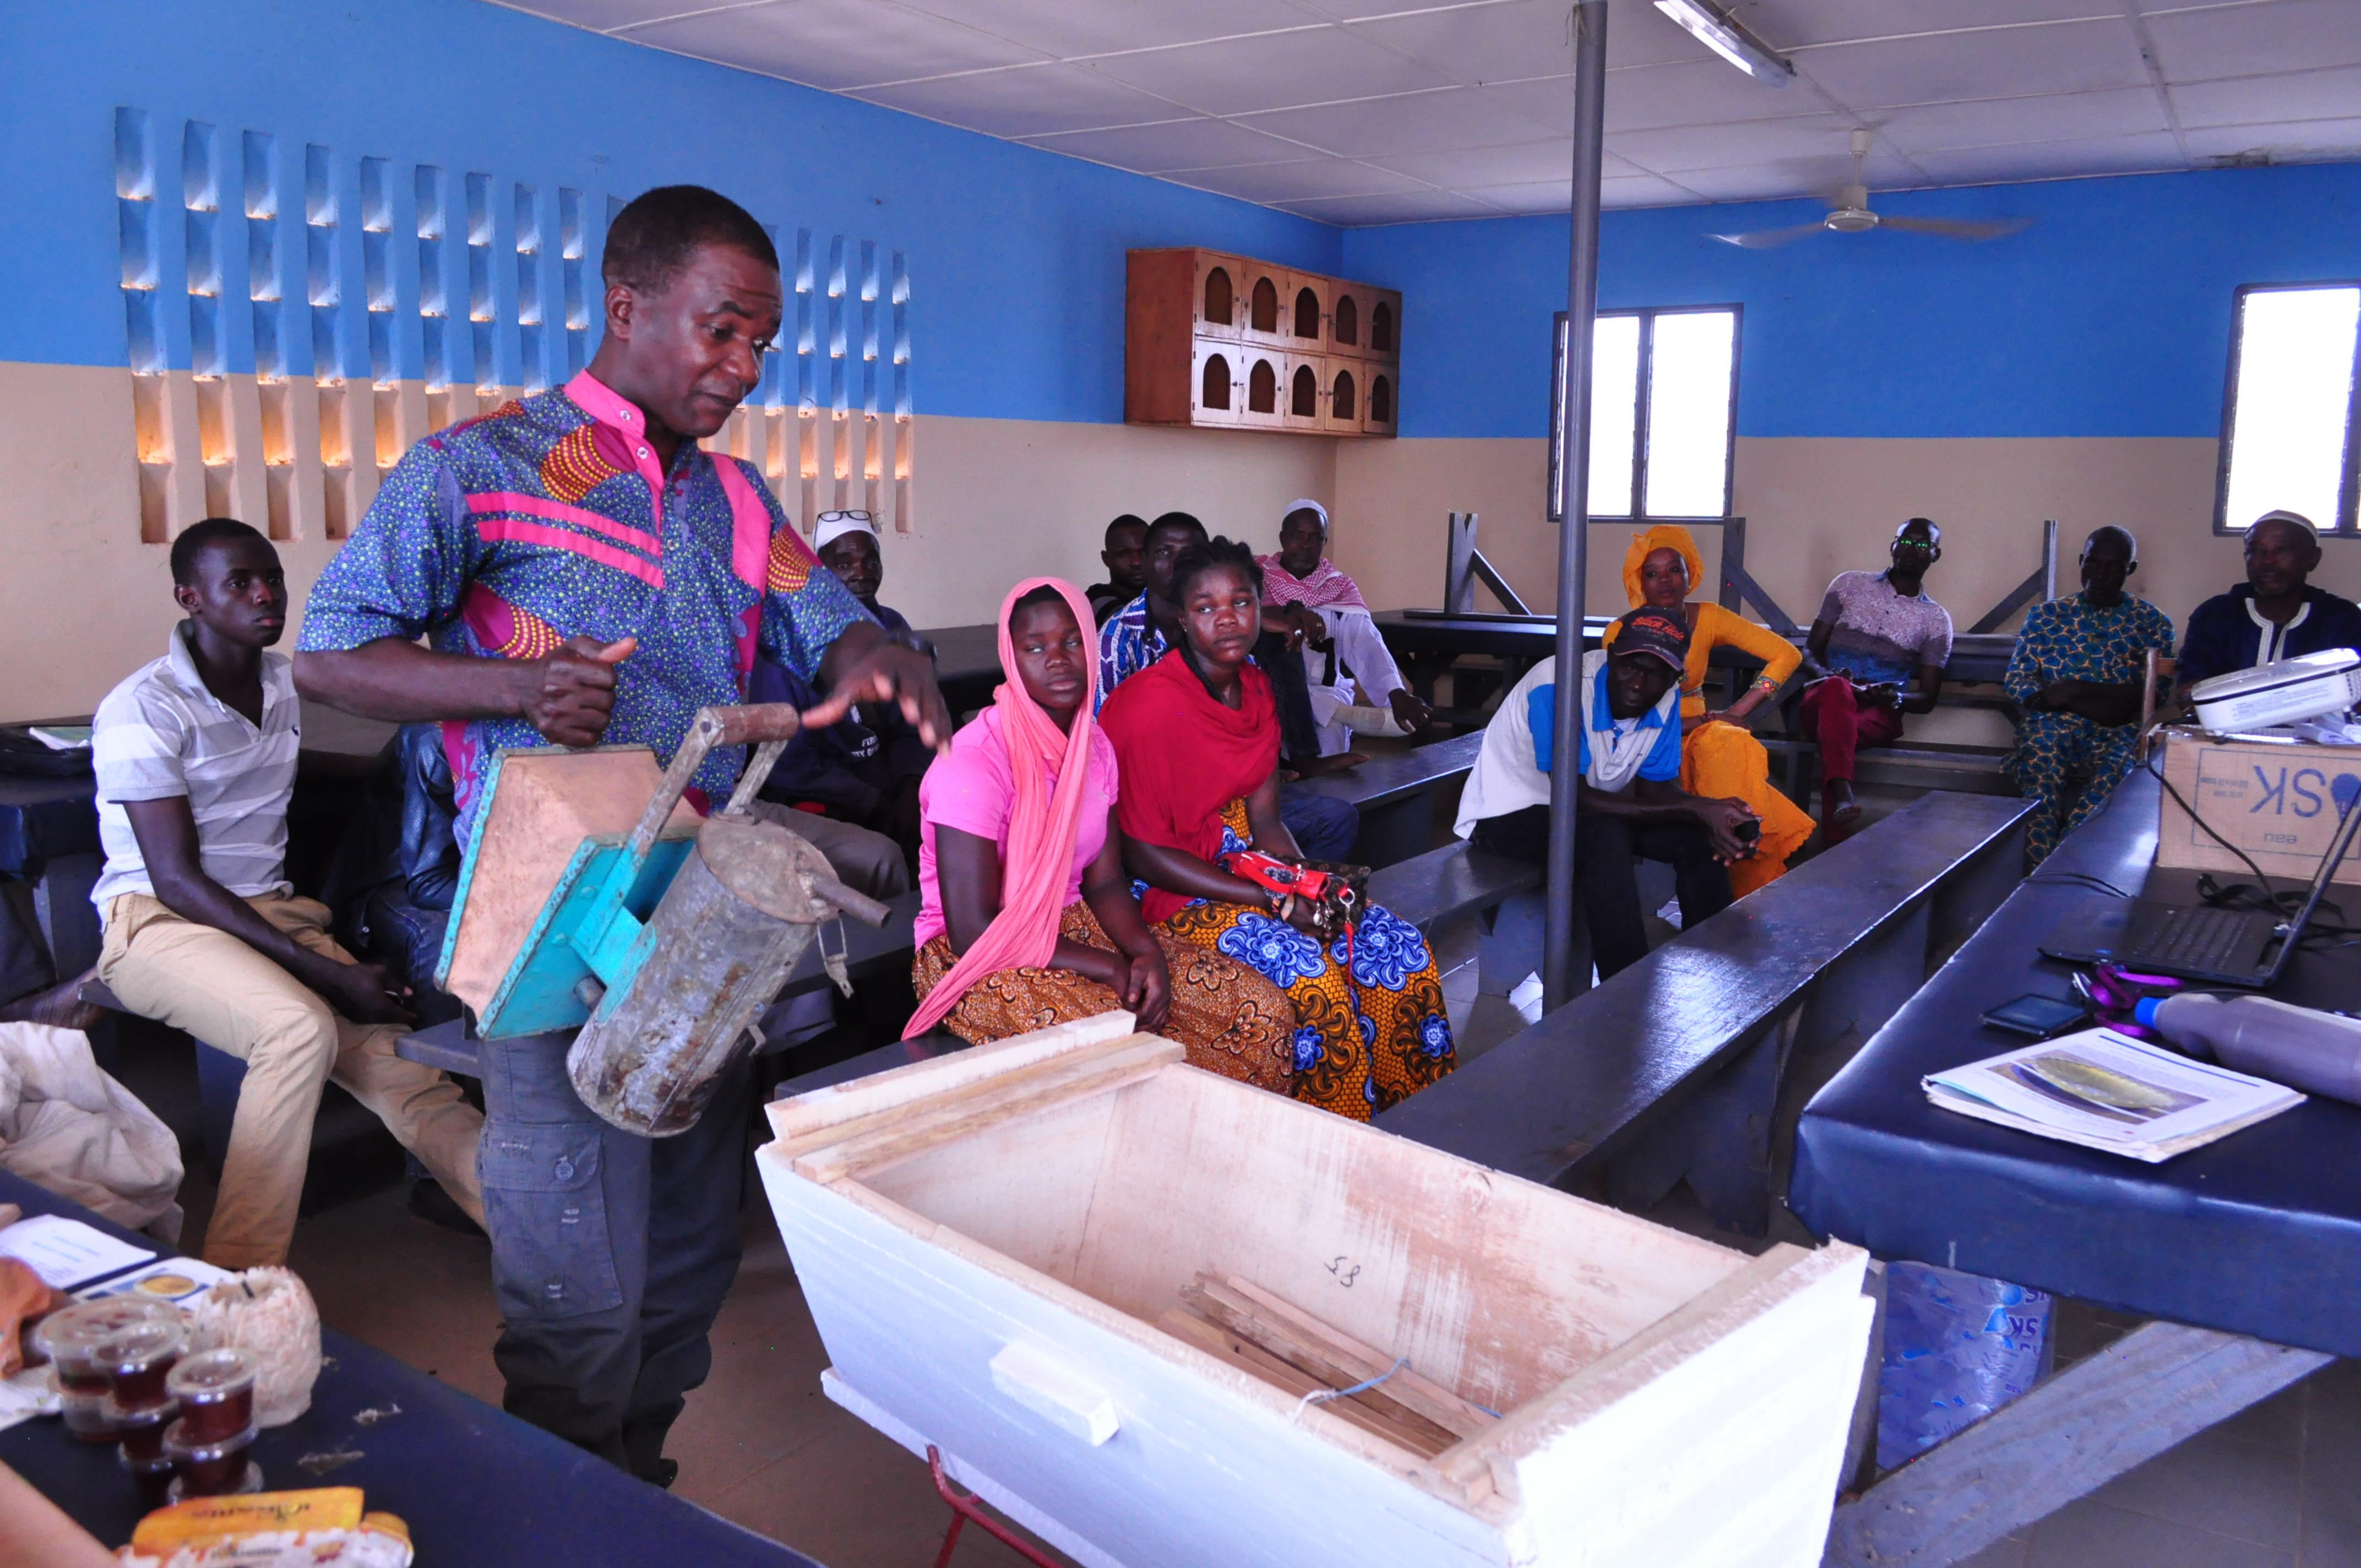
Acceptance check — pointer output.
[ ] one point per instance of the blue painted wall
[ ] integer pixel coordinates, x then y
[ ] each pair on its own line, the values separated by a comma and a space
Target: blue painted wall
1016, 256
2109, 317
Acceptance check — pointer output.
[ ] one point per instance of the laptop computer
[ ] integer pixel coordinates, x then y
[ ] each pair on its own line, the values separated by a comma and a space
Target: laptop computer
2225, 947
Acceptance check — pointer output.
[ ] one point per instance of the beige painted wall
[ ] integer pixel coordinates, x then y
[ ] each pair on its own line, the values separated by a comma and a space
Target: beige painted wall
84, 602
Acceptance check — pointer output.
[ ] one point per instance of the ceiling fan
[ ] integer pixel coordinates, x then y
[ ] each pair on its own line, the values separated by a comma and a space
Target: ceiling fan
1849, 214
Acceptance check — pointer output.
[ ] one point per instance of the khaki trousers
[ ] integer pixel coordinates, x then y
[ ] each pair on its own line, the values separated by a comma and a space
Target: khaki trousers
214, 986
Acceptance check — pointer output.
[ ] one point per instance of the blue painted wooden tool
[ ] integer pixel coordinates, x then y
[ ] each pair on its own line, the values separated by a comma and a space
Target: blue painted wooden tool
586, 938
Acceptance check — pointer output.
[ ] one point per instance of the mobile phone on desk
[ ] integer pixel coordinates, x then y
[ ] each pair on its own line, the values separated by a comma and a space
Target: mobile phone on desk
2038, 1017
2081, 957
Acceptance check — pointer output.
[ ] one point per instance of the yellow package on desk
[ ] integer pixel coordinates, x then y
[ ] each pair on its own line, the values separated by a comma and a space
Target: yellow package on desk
270, 1529
2273, 796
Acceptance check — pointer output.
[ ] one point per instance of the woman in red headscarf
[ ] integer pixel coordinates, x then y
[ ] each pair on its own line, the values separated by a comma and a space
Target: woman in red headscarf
1026, 918
1198, 737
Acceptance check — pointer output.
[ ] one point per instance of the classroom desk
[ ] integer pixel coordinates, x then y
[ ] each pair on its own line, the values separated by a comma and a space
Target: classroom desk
2241, 1249
474, 1485
2207, 1237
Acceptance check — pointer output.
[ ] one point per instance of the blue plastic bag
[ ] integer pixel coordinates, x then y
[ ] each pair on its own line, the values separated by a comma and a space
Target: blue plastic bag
1958, 1347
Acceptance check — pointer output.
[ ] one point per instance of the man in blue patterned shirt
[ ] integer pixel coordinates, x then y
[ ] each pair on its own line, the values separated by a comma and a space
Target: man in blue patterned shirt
583, 572
2075, 677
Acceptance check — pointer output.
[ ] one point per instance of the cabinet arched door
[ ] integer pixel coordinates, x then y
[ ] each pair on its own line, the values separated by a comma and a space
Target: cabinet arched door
1379, 412
1219, 307
1382, 326
1216, 388
1347, 379
1264, 389
1303, 399
1348, 314
1306, 316
1263, 298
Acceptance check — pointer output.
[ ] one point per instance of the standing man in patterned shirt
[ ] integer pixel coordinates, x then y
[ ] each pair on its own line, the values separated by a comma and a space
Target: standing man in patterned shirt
2076, 677
583, 572
1874, 631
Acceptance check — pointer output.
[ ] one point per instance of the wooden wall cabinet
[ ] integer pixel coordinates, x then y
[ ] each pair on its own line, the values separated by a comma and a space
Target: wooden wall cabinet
1227, 342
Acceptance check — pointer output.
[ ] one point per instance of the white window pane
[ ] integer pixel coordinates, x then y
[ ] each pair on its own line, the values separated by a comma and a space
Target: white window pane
2295, 380
1614, 412
1689, 414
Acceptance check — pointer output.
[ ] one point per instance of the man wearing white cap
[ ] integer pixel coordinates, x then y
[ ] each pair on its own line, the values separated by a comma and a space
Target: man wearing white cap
2275, 613
846, 544
1304, 591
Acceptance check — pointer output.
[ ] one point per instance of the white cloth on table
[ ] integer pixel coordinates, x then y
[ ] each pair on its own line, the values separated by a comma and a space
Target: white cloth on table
66, 1126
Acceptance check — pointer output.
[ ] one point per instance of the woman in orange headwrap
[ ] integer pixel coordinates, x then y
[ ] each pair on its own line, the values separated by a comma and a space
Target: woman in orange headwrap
1719, 756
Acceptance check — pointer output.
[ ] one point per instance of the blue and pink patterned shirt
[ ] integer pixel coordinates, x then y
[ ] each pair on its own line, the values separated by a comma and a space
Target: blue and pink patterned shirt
550, 518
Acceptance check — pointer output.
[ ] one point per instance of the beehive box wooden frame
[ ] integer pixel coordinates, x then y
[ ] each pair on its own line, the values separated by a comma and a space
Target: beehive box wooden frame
987, 1240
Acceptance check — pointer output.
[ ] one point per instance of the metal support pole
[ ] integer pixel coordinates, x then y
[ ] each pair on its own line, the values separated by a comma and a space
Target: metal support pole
1559, 982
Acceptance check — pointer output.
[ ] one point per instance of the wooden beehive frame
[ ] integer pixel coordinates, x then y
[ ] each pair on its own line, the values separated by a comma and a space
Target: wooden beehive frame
1683, 1325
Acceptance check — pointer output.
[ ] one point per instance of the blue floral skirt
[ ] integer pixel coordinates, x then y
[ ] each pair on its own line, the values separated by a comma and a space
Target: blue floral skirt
1370, 1026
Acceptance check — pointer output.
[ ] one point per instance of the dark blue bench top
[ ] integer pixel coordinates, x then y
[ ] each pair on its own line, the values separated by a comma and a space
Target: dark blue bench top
1578, 1082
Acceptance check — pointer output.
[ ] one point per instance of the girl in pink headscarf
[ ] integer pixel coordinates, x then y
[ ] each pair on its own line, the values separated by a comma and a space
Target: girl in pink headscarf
1027, 918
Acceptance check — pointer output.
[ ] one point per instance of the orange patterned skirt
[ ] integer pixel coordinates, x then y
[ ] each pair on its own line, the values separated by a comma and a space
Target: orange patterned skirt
1371, 1028
1230, 1019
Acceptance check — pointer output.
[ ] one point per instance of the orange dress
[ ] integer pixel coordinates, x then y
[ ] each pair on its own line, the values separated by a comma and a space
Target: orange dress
1719, 759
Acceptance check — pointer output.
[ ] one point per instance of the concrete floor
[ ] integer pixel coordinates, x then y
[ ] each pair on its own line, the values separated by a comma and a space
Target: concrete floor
2279, 1486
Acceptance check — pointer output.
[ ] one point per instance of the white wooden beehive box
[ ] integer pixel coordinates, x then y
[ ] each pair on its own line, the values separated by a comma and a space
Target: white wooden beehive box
994, 1244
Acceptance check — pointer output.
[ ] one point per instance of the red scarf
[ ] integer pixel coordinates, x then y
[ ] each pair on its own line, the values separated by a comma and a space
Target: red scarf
1183, 755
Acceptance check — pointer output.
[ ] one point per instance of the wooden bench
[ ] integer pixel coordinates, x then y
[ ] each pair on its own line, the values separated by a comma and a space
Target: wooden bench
1681, 1066
1392, 792
1458, 879
1967, 770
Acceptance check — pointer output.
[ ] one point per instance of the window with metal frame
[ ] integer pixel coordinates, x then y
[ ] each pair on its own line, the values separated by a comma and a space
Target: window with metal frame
2291, 406
1663, 413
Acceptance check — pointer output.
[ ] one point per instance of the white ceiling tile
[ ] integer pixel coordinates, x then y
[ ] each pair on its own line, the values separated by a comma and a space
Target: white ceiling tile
1694, 93
1299, 182
2004, 62
1409, 207
2306, 141
1775, 183
2245, 40
1177, 144
1520, 164
1645, 191
1997, 122
2043, 161
601, 14
1516, 39
1673, 148
1070, 27
832, 43
2261, 100
1418, 122
1243, 74
1032, 101
1793, 23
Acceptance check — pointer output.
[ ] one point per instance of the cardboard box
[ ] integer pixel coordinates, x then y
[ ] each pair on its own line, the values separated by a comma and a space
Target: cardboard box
2274, 799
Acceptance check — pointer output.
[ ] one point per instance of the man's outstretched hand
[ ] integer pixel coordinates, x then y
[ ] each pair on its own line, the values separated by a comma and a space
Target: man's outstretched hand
887, 671
571, 695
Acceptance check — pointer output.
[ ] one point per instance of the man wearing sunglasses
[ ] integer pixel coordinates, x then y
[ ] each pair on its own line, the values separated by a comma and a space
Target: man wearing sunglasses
1874, 631
581, 571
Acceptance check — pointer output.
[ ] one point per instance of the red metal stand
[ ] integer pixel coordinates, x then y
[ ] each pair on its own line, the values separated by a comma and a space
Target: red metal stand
964, 1508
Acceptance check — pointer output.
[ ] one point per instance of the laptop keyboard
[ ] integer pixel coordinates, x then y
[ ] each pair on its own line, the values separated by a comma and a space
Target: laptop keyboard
2195, 939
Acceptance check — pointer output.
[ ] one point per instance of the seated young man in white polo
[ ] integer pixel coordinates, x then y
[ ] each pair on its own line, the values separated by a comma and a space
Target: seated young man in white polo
195, 756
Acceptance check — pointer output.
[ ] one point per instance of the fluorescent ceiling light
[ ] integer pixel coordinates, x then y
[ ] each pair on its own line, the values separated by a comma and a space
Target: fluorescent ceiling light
1722, 33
